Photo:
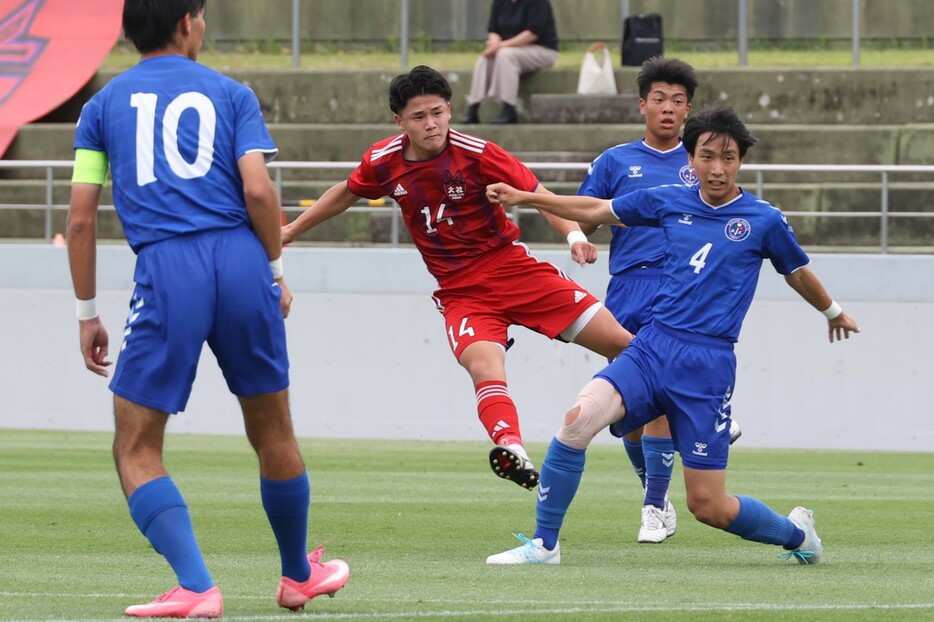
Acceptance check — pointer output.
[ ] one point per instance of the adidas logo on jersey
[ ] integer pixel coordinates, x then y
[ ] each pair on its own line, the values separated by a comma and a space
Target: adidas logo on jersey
399, 191
578, 296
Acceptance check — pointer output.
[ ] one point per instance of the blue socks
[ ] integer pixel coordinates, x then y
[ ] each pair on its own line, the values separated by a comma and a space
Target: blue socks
758, 522
160, 512
636, 457
659, 455
560, 477
286, 504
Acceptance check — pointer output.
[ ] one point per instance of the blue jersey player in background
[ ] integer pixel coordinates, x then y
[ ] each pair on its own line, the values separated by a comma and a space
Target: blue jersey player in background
683, 363
666, 88
187, 149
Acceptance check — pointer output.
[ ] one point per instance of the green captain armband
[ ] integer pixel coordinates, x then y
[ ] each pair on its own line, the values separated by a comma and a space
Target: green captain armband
90, 167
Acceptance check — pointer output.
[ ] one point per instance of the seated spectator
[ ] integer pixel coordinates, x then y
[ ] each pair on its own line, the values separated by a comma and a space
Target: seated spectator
522, 38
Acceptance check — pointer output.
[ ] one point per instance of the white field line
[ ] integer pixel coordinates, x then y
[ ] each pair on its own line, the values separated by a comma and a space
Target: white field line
602, 607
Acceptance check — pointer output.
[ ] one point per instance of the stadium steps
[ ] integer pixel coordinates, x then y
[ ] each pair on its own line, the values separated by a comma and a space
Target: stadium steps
778, 144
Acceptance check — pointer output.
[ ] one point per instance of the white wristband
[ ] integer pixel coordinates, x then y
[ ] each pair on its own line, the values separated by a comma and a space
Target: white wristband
833, 311
87, 309
576, 236
276, 266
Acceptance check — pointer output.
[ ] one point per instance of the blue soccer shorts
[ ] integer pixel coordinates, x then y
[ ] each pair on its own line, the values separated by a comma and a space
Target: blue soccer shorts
629, 297
687, 376
213, 287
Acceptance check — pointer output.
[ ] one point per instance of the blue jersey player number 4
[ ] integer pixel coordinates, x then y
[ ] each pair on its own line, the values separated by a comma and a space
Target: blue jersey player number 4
683, 363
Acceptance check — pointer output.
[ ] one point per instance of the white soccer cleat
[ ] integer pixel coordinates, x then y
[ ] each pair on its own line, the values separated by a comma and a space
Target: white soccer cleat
531, 552
735, 431
658, 524
811, 551
653, 528
670, 517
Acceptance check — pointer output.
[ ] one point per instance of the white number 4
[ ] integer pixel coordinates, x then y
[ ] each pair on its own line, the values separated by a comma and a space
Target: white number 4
699, 260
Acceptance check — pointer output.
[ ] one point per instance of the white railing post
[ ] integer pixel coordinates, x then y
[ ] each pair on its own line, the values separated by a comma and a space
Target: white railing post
743, 43
49, 187
404, 34
884, 225
279, 183
296, 32
856, 33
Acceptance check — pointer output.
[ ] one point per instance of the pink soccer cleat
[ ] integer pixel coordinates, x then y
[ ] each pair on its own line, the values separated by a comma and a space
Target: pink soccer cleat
181, 603
326, 578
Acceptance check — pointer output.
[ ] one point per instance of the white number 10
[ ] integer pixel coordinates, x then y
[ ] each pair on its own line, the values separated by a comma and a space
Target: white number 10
145, 104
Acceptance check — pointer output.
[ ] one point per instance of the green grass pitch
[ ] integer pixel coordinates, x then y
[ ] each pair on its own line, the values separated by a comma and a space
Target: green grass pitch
416, 520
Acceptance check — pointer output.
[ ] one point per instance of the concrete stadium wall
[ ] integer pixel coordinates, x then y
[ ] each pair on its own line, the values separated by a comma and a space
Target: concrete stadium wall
447, 21
370, 358
773, 96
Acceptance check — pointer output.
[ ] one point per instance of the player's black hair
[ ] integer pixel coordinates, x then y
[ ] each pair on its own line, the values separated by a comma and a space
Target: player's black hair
721, 122
422, 80
668, 70
150, 24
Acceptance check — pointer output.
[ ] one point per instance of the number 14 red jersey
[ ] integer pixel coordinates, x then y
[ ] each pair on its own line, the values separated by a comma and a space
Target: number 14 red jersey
443, 199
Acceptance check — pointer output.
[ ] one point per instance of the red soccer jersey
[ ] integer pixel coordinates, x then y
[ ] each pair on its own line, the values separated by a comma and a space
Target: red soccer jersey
443, 199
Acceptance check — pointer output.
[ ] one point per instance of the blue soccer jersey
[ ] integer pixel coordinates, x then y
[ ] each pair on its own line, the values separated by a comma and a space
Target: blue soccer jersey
173, 131
623, 169
714, 254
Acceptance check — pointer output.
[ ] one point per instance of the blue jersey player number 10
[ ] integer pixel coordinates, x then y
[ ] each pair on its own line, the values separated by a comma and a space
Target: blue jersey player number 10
145, 105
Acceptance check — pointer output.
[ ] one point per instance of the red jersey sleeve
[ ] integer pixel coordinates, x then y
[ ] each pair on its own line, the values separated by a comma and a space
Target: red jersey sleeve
362, 182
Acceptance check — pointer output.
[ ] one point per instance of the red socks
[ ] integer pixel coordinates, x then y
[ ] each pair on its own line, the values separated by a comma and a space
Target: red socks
498, 412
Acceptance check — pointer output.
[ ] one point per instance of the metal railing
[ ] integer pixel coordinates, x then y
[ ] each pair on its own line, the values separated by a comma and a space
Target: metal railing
742, 19
884, 172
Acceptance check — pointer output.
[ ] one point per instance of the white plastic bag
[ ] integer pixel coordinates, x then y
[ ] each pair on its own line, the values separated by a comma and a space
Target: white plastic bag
596, 76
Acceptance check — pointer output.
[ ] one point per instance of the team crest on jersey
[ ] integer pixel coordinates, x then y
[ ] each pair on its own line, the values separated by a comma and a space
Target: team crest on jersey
455, 188
737, 229
635, 171
688, 175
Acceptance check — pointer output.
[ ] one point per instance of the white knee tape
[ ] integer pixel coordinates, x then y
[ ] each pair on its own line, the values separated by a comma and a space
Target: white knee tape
598, 406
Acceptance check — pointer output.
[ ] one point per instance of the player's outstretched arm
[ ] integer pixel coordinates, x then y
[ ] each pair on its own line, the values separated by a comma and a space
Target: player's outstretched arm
580, 209
582, 250
81, 234
336, 200
809, 287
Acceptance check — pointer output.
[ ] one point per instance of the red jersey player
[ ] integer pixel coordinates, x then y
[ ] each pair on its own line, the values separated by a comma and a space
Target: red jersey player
487, 278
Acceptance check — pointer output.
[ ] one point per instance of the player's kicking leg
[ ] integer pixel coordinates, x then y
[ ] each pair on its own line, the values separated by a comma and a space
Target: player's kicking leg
485, 361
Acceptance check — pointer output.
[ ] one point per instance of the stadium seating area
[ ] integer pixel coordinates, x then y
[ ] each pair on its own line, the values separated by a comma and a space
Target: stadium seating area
801, 116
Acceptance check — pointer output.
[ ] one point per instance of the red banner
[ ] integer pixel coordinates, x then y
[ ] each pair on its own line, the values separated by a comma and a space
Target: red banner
49, 49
